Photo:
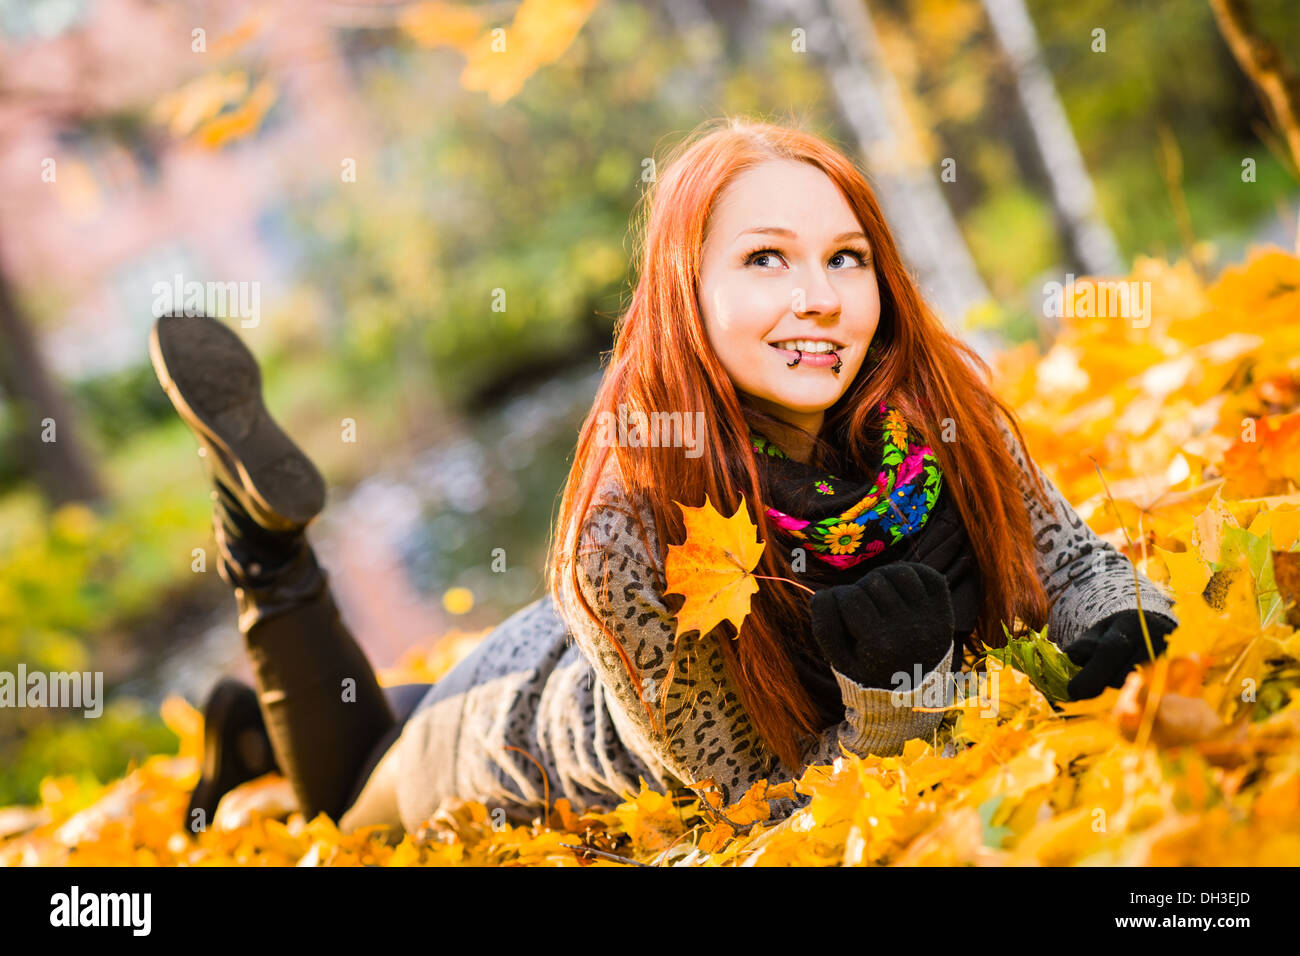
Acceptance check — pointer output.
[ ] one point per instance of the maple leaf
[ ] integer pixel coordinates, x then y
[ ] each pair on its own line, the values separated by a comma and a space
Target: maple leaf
713, 567
1046, 665
651, 819
1263, 463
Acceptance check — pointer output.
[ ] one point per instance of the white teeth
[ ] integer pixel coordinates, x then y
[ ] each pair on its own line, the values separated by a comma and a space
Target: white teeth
806, 345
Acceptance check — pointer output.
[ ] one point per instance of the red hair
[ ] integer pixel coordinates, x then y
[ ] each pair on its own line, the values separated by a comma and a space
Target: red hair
935, 380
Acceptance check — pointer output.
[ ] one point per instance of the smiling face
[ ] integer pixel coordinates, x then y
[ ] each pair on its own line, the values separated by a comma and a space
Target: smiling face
785, 261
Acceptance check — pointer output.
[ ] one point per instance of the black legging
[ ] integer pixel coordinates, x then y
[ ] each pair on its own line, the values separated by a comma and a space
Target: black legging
328, 719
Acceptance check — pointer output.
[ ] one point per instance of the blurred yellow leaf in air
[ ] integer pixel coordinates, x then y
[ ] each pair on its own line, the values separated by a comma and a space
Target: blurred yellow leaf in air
501, 61
442, 24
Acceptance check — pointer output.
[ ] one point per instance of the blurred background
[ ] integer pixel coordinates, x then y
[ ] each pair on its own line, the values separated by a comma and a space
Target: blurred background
431, 204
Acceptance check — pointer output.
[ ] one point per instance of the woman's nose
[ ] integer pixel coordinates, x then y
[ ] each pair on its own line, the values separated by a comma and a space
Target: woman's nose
816, 297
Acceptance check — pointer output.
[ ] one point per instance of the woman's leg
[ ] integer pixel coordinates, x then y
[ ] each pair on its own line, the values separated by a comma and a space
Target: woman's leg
374, 795
374, 801
323, 708
402, 699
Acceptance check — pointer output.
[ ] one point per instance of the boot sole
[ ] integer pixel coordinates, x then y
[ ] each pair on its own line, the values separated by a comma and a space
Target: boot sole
215, 384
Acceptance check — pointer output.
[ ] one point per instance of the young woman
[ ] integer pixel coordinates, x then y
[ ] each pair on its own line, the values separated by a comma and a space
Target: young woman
864, 441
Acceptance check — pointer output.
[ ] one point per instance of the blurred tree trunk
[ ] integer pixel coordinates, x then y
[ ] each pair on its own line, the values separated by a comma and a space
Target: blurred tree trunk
1268, 69
841, 35
60, 468
692, 20
1088, 239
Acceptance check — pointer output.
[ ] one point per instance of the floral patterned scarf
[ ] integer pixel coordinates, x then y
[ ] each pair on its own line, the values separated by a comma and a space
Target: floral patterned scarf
845, 522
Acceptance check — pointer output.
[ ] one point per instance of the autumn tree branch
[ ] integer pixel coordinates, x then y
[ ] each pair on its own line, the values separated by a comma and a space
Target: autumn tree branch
1268, 69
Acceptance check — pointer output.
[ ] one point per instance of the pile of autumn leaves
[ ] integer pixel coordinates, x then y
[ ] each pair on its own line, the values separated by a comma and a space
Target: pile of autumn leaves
1194, 420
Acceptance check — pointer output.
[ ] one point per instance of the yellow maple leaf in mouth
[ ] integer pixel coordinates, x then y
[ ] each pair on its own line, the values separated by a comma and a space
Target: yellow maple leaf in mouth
713, 567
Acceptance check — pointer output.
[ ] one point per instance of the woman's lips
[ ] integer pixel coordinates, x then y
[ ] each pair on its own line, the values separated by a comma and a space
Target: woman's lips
814, 359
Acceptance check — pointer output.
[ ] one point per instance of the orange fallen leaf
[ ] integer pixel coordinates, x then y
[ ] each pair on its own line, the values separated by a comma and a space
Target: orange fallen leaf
712, 568
1263, 463
269, 796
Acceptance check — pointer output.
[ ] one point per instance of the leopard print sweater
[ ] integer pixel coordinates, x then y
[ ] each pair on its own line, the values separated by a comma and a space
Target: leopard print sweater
545, 709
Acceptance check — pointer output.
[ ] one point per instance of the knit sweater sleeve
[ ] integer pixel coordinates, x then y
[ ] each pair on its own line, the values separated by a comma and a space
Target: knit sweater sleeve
704, 737
1085, 575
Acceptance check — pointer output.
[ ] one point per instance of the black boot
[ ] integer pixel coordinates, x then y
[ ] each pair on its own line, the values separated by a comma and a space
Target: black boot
214, 382
322, 705
236, 749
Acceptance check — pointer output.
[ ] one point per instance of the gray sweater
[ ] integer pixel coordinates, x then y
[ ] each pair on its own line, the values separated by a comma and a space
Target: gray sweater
548, 682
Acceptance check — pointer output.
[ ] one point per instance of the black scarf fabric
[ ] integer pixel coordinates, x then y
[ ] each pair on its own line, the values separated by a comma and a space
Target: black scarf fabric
843, 523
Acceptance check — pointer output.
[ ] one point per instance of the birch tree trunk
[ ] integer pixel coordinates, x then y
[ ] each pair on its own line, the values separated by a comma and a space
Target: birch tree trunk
692, 20
1087, 237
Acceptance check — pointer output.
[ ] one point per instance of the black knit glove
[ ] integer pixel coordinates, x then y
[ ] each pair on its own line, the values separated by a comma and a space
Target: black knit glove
944, 545
895, 617
1111, 648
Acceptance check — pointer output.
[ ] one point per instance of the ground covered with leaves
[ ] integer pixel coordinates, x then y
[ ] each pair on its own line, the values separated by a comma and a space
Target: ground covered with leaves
1191, 414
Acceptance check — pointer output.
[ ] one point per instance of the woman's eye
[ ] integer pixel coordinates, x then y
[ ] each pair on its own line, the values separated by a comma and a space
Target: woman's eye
757, 254
863, 258
756, 257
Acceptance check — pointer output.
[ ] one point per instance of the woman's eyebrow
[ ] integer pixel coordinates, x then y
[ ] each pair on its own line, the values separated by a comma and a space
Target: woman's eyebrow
778, 231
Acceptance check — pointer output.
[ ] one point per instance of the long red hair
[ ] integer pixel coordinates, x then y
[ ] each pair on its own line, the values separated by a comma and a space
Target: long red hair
938, 382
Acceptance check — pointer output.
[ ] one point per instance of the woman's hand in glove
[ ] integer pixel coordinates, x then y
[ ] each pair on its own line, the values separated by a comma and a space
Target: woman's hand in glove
946, 547
895, 617
1111, 648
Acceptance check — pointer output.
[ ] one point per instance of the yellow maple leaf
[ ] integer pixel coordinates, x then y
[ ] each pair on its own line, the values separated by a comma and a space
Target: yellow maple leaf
1188, 572
1284, 523
651, 819
712, 567
754, 806
1207, 529
716, 839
